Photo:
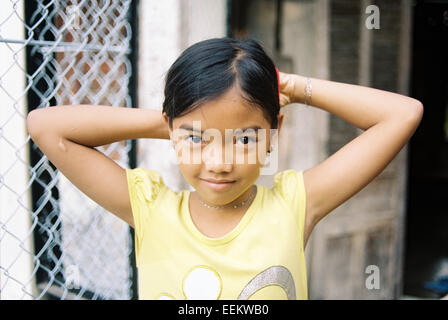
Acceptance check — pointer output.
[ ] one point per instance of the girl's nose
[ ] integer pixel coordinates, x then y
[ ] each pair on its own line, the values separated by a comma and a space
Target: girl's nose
218, 167
214, 160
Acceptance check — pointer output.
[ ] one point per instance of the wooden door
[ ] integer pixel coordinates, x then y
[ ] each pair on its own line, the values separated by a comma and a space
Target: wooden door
356, 251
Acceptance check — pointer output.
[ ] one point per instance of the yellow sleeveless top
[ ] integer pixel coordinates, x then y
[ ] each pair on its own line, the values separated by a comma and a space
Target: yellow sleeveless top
261, 258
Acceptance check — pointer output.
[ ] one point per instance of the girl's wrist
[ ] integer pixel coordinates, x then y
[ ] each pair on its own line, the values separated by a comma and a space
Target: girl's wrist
157, 128
299, 89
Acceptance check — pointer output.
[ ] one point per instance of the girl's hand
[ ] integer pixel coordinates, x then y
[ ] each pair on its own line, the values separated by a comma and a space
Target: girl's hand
288, 84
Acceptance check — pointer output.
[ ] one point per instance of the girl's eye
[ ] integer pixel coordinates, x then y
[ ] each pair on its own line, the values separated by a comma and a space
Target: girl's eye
194, 139
246, 140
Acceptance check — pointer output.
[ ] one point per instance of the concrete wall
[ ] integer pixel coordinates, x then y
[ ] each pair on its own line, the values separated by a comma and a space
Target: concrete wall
16, 239
166, 28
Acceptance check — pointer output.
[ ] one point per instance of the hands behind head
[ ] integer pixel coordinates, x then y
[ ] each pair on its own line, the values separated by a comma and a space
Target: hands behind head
288, 85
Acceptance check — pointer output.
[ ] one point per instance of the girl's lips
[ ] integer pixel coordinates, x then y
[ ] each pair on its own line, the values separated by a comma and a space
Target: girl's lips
217, 186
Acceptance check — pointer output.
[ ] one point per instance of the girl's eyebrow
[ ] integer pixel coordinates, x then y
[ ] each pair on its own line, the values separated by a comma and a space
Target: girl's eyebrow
189, 128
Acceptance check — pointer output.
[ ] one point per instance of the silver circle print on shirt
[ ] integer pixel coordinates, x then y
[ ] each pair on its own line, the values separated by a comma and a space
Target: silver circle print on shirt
275, 275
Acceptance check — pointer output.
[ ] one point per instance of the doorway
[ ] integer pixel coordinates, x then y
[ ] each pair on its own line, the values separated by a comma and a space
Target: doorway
426, 240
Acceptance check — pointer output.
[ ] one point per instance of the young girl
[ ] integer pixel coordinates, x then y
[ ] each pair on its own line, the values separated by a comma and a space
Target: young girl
230, 238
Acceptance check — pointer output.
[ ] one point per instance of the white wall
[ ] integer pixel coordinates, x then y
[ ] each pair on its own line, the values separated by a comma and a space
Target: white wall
16, 238
166, 28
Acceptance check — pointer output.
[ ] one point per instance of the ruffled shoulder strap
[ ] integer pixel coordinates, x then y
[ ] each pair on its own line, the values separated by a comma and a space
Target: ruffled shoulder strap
290, 186
145, 187
147, 184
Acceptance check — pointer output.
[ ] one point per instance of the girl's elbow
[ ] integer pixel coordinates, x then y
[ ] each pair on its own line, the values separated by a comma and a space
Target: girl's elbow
418, 108
32, 123
415, 110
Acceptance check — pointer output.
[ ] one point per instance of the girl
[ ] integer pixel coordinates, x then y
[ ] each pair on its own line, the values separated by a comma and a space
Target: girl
230, 238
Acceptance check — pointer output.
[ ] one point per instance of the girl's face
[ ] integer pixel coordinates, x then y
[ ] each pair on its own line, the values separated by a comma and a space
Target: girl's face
202, 155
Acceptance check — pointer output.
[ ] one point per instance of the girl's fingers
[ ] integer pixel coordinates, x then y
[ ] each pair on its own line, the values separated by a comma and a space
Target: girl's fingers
285, 85
284, 100
283, 80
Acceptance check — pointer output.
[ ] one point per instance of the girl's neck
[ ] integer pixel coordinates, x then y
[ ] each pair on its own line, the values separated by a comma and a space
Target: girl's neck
216, 223
227, 209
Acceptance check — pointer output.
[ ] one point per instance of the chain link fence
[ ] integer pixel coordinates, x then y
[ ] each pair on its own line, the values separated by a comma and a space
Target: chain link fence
55, 243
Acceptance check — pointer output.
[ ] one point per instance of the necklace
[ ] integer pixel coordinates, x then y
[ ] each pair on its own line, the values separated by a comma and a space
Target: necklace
230, 206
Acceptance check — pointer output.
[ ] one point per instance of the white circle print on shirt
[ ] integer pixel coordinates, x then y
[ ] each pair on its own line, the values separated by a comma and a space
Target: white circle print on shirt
202, 283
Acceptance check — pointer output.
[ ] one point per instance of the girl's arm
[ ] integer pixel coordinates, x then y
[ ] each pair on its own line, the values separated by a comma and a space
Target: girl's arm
67, 135
389, 121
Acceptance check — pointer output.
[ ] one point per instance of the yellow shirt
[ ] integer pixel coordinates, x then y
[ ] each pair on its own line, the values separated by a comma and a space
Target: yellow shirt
261, 258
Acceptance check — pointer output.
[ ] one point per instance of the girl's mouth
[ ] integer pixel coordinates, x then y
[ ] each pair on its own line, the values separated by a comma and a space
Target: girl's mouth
217, 185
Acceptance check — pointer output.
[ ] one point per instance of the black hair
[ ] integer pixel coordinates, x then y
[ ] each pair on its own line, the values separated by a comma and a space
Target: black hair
207, 69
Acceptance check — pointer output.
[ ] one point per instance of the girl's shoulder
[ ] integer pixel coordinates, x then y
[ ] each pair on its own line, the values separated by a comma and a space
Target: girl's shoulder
145, 183
289, 184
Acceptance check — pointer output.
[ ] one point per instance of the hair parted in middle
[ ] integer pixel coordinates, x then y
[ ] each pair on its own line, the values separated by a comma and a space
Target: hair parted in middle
209, 68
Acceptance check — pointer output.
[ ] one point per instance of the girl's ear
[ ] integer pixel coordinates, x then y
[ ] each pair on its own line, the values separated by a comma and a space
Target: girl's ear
167, 121
280, 120
165, 117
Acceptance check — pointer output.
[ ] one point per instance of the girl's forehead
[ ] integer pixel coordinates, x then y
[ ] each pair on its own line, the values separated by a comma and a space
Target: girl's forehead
230, 111
222, 122
198, 128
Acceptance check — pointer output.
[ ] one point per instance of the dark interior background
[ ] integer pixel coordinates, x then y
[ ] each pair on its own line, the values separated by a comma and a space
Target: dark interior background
426, 252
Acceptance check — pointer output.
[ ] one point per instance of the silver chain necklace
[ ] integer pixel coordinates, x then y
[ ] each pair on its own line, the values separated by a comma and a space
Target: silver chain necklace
230, 206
